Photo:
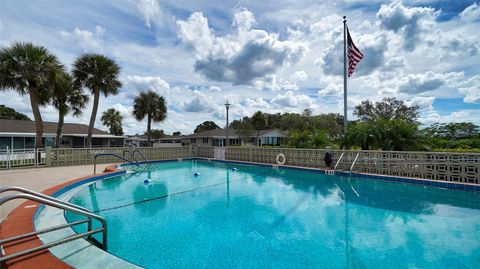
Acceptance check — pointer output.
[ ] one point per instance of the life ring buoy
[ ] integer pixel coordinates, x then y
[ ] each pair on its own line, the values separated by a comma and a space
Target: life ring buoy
281, 158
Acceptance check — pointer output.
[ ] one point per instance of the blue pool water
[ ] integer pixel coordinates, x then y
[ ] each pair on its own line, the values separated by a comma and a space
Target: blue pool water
259, 217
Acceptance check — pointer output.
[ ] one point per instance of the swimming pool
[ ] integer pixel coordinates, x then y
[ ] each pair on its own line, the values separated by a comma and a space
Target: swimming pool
259, 217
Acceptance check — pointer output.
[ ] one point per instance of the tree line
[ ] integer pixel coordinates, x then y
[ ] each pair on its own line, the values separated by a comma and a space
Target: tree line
389, 124
33, 70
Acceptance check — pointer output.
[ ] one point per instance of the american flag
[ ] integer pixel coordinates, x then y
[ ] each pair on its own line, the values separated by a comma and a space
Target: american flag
354, 55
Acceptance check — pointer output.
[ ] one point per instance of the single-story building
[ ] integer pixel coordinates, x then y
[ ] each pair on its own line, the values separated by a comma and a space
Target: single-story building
142, 141
218, 137
20, 134
137, 141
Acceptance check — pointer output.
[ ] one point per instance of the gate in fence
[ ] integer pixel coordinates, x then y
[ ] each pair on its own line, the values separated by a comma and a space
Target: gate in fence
11, 158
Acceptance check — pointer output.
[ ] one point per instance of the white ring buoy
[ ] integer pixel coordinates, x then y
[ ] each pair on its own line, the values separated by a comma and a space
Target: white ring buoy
281, 158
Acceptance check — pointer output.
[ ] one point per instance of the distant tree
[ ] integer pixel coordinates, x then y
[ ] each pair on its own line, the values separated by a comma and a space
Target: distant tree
454, 130
245, 130
205, 126
309, 139
112, 119
307, 114
150, 105
177, 133
99, 74
293, 121
388, 108
397, 134
330, 123
66, 99
156, 133
259, 121
8, 113
29, 69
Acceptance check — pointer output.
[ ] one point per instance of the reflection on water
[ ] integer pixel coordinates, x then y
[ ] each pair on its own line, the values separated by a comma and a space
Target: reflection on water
257, 217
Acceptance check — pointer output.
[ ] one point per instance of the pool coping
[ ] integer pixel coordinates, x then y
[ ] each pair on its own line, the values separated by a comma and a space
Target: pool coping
453, 185
21, 219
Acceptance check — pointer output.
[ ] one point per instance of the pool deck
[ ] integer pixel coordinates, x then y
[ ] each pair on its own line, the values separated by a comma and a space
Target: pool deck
20, 220
39, 179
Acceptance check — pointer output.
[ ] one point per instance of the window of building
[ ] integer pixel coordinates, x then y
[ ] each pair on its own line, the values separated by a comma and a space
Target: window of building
5, 142
193, 140
29, 142
18, 142
205, 140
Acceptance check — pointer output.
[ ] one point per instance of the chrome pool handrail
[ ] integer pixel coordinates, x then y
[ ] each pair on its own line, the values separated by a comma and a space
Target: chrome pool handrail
41, 195
339, 159
354, 161
65, 206
109, 154
141, 154
131, 154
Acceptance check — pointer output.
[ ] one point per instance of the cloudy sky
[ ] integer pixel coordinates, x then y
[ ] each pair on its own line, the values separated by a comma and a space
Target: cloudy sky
274, 56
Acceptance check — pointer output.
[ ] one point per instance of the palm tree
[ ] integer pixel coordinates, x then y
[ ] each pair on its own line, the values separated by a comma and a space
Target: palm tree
66, 99
99, 74
29, 69
151, 105
113, 120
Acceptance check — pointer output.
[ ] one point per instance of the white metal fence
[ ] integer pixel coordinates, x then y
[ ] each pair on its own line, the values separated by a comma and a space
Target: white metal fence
11, 158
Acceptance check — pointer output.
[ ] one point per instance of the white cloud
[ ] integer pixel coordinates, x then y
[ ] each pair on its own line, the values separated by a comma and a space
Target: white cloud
411, 22
257, 103
199, 103
428, 81
289, 99
299, 76
249, 56
471, 89
331, 90
149, 9
141, 83
243, 19
471, 13
196, 33
421, 102
86, 39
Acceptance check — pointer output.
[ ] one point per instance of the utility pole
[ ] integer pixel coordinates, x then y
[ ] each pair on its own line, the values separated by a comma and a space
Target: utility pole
227, 106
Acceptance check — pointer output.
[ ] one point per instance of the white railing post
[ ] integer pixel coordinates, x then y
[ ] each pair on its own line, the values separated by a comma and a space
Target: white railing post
8, 158
35, 157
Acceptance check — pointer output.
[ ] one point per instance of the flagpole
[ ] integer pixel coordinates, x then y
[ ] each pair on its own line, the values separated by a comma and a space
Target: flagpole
345, 121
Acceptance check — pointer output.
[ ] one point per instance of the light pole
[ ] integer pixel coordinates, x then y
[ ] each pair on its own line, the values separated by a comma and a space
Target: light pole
227, 106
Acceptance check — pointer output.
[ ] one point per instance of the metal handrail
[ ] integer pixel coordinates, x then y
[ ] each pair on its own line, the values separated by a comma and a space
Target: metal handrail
339, 159
354, 161
141, 154
108, 154
131, 154
41, 195
65, 206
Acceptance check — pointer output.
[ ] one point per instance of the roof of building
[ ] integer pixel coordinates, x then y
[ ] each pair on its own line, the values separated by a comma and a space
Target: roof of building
28, 127
231, 133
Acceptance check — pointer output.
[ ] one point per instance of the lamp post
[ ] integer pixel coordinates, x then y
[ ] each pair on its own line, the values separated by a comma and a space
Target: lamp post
227, 106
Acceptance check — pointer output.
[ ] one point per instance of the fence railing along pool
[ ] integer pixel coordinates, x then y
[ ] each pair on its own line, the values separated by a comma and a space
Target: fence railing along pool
444, 166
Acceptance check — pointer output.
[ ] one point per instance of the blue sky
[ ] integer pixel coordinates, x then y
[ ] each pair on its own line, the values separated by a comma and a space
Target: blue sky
274, 56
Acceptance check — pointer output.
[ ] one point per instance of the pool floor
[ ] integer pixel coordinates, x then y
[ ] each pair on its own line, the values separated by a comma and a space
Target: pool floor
259, 217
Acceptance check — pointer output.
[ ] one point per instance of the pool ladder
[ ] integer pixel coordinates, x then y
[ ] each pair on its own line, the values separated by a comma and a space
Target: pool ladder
332, 172
54, 202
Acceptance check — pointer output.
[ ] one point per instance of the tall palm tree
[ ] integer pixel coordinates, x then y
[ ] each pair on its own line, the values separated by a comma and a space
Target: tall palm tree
151, 105
99, 74
113, 120
29, 69
66, 99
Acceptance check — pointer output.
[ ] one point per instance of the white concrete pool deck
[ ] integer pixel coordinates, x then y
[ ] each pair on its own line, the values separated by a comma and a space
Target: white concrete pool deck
39, 179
